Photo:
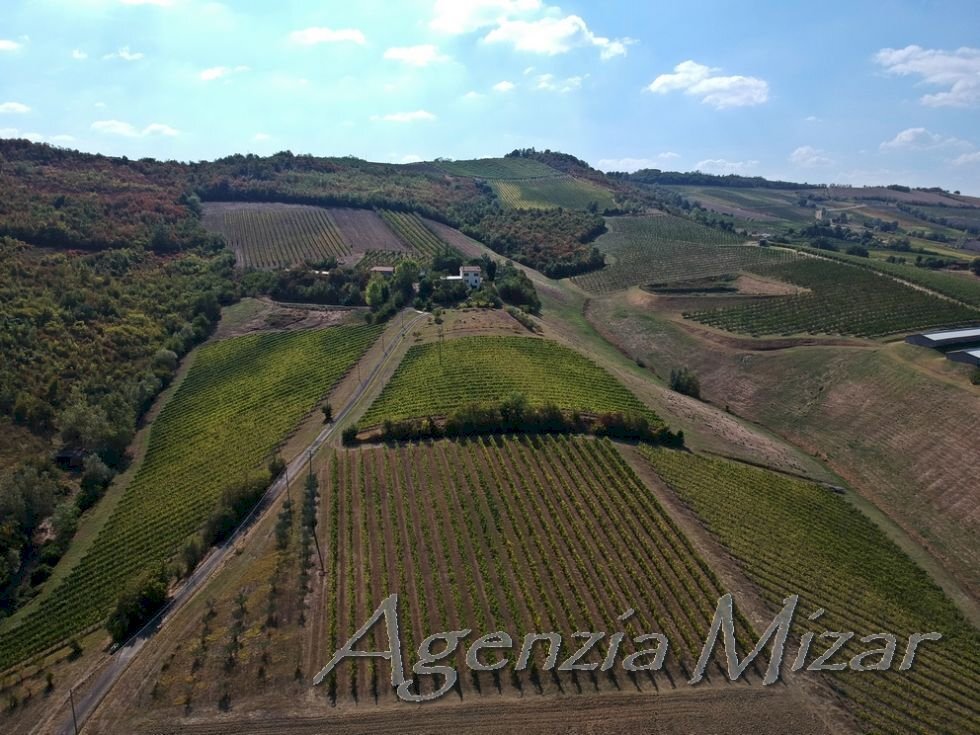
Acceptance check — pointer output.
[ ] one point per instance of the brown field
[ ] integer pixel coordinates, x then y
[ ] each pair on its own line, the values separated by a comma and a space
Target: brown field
365, 230
912, 197
523, 535
861, 411
469, 247
265, 315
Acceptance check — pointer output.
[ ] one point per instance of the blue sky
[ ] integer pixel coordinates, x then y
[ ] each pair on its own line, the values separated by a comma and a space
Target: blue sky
849, 92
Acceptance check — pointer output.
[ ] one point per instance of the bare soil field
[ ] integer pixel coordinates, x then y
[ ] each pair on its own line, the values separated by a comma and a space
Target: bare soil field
463, 243
756, 711
364, 230
911, 197
265, 315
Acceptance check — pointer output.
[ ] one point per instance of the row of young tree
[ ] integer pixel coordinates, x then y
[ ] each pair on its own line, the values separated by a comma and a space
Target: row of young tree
515, 414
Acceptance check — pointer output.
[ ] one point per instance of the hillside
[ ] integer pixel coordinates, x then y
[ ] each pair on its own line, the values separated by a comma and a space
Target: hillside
215, 407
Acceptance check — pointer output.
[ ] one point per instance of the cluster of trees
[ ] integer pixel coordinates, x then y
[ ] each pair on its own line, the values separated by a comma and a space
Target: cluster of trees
88, 341
515, 415
334, 182
502, 284
29, 495
58, 198
696, 178
685, 381
552, 241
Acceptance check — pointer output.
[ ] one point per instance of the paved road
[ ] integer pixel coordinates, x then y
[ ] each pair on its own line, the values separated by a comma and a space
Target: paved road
102, 680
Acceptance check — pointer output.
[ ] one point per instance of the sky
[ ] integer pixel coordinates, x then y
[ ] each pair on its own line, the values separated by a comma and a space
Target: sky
833, 92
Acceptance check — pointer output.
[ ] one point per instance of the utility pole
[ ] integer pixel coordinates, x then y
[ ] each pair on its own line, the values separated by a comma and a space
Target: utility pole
74, 717
316, 541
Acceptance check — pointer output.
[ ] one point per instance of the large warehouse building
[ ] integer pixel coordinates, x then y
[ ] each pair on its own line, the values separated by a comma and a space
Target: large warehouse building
970, 357
946, 339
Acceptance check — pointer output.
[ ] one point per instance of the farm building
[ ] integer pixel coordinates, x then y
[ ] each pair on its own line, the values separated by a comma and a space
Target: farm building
969, 357
946, 339
384, 270
471, 274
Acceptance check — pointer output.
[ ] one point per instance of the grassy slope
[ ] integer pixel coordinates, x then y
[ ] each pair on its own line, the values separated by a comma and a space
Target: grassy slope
861, 410
499, 168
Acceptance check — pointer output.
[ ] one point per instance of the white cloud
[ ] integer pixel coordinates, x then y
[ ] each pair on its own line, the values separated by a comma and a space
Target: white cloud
405, 117
8, 45
261, 137
313, 36
159, 3
721, 166
421, 55
125, 54
160, 129
466, 16
812, 118
958, 71
8, 132
411, 158
15, 108
808, 157
62, 139
503, 86
216, 72
79, 55
549, 83
471, 95
553, 35
127, 130
718, 91
635, 164
967, 159
920, 139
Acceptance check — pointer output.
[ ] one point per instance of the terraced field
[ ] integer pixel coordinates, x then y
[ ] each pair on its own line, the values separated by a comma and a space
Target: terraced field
549, 193
642, 250
276, 235
239, 401
843, 300
792, 537
413, 230
436, 378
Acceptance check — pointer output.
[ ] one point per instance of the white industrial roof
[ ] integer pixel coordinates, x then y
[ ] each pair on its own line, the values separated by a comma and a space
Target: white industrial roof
974, 353
954, 334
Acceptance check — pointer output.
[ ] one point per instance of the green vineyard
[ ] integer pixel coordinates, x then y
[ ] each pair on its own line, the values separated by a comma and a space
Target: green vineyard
434, 379
527, 534
549, 193
276, 235
238, 402
793, 537
960, 286
642, 250
410, 228
843, 300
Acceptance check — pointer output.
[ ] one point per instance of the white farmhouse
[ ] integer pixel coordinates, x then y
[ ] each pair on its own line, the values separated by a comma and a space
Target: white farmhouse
472, 275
